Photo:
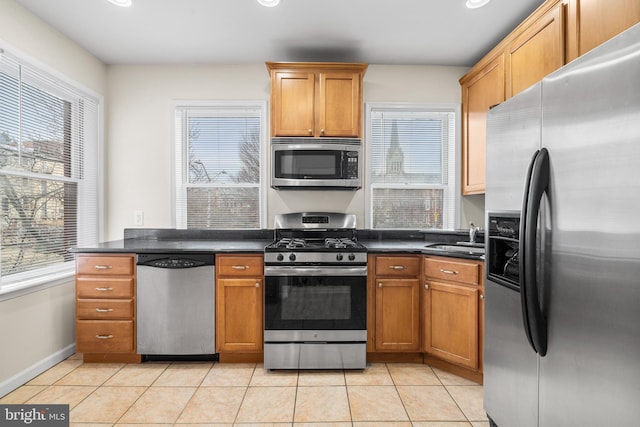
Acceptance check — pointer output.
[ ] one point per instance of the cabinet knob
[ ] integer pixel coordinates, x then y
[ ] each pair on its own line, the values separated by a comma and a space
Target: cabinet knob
310, 131
379, 284
426, 286
257, 285
481, 296
322, 131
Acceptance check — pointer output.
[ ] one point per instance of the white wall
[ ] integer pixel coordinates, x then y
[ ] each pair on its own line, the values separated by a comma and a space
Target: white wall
139, 129
37, 330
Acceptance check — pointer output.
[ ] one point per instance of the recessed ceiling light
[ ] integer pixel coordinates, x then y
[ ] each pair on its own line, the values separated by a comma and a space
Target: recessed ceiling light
473, 4
269, 3
122, 3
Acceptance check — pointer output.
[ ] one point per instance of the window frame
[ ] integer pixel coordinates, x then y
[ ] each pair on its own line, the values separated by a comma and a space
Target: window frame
179, 153
455, 159
26, 282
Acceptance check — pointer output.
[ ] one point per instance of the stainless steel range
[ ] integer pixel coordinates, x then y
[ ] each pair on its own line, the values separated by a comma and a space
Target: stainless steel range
315, 293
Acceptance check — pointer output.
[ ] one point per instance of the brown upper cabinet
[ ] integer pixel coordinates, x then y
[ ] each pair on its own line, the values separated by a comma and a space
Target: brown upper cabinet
554, 34
316, 99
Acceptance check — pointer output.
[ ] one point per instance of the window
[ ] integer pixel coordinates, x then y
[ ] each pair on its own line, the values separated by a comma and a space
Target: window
219, 152
411, 166
49, 132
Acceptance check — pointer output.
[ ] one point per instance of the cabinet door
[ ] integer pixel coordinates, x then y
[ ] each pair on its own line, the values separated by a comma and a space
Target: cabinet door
481, 91
293, 102
451, 323
592, 22
339, 105
536, 52
397, 315
239, 315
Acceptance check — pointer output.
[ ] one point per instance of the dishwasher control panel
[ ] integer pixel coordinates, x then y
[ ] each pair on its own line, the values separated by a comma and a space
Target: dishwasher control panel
175, 260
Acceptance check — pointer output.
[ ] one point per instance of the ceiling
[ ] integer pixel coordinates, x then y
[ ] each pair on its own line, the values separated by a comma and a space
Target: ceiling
411, 32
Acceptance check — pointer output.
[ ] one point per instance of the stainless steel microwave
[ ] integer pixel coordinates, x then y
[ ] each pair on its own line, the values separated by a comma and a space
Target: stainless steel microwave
316, 164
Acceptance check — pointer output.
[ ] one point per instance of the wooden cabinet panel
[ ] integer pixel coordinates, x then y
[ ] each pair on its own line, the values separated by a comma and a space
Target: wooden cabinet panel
452, 270
239, 265
239, 315
316, 99
104, 309
292, 99
397, 266
105, 265
536, 52
91, 287
397, 315
339, 106
480, 91
100, 336
593, 22
451, 323
239, 303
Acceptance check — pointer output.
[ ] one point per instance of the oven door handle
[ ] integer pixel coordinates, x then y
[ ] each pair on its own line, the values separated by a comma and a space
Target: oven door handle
290, 270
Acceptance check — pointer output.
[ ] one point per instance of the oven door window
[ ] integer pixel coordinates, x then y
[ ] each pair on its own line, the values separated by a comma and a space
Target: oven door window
308, 164
315, 303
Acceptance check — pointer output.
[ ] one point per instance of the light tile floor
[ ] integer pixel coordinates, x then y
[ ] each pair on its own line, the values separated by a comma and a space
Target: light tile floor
213, 394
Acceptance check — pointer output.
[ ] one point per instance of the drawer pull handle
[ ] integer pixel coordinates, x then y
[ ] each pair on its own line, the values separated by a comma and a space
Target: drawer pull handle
240, 267
104, 310
104, 267
104, 289
448, 271
104, 337
397, 267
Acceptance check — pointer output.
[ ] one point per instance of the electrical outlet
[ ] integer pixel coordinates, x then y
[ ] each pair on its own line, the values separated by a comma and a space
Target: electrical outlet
138, 217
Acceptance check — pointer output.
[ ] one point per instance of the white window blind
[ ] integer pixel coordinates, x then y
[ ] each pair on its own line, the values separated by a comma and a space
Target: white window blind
218, 168
49, 134
411, 152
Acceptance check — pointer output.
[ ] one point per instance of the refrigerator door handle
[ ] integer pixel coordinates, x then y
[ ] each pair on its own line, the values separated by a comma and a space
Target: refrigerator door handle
536, 185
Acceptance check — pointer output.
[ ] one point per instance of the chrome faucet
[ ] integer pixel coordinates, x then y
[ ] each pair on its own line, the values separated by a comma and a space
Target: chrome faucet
473, 231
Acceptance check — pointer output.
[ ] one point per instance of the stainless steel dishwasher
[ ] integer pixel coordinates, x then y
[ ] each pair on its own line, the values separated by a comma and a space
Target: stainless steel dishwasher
175, 304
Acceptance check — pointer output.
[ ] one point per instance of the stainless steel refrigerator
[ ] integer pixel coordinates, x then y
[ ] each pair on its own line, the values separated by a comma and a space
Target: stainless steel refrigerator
562, 297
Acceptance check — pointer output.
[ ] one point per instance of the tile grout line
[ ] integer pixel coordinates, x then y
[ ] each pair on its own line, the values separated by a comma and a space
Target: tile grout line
246, 390
194, 393
395, 386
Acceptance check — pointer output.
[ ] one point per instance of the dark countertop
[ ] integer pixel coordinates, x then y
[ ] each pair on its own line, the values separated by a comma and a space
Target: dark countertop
254, 241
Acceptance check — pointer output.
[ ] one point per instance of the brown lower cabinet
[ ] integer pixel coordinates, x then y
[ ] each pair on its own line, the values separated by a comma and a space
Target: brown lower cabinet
105, 307
239, 307
429, 307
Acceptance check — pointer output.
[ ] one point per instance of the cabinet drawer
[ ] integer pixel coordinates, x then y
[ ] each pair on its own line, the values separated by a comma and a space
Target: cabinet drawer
453, 271
105, 265
104, 309
104, 288
397, 266
104, 336
240, 266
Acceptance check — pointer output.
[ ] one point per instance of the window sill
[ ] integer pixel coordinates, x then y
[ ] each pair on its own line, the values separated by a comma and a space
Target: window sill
23, 287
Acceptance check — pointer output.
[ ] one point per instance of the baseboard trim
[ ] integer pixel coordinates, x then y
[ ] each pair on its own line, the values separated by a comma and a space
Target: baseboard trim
12, 383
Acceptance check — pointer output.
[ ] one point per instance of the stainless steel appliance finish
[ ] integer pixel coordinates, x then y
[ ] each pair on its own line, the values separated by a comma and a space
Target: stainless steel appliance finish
312, 163
315, 294
563, 351
175, 300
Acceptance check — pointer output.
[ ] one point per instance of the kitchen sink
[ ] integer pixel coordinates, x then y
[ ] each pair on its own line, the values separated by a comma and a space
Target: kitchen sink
459, 247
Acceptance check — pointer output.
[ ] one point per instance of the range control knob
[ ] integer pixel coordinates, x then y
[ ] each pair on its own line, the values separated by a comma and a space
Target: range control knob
292, 257
280, 257
339, 257
352, 257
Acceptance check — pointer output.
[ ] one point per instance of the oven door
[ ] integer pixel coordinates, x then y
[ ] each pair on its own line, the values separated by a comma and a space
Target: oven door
315, 298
